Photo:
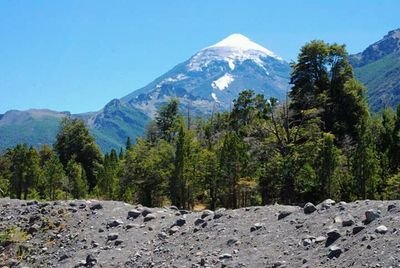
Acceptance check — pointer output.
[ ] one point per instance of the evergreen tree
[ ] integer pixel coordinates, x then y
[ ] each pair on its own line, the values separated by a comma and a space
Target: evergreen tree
327, 167
166, 120
233, 162
77, 184
74, 140
55, 177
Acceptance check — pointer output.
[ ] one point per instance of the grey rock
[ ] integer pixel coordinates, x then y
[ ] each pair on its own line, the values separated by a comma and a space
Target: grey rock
225, 256
347, 220
149, 217
256, 227
371, 215
199, 221
173, 230
284, 214
96, 206
334, 251
114, 223
90, 260
309, 208
358, 228
333, 234
118, 242
381, 229
180, 222
328, 203
134, 213
162, 235
112, 236
206, 213
145, 211
232, 242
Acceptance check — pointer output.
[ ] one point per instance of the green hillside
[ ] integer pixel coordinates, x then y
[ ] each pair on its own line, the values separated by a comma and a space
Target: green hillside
382, 79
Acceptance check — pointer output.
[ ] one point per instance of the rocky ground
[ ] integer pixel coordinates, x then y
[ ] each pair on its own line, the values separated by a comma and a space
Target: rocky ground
114, 234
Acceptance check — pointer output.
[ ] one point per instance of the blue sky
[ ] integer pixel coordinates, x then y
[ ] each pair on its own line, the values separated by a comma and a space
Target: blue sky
78, 55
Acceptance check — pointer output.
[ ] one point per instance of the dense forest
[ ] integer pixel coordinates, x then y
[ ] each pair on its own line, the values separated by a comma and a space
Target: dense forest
322, 142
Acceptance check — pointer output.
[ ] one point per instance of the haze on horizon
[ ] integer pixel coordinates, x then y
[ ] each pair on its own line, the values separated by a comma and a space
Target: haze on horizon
77, 56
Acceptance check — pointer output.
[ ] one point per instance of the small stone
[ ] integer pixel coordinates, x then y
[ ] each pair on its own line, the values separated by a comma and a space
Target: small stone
334, 251
114, 223
173, 208
96, 206
112, 236
347, 220
338, 219
320, 239
199, 221
82, 206
118, 242
146, 211
307, 242
309, 208
381, 229
149, 217
225, 256
283, 214
206, 213
133, 214
130, 226
333, 234
162, 235
33, 229
184, 212
90, 260
180, 222
232, 241
256, 227
358, 228
219, 213
173, 230
328, 203
371, 215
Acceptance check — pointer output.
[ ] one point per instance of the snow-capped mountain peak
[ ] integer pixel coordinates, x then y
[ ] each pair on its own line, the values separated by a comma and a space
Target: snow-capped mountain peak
213, 77
241, 42
233, 50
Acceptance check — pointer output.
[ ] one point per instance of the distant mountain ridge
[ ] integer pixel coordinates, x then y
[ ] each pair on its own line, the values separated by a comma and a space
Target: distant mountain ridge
378, 68
209, 81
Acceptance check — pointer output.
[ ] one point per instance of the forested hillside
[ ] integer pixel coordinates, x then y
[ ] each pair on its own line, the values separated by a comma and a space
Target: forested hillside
322, 142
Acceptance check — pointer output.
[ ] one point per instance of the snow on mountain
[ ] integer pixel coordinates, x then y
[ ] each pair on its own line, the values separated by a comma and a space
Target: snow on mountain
240, 42
223, 82
213, 77
234, 50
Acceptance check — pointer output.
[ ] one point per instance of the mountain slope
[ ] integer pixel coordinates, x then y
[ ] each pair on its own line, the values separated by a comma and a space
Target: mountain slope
212, 78
378, 67
35, 127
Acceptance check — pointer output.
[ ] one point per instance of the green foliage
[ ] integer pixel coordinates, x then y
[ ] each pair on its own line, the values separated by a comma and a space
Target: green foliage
54, 177
75, 142
13, 235
381, 77
166, 120
77, 184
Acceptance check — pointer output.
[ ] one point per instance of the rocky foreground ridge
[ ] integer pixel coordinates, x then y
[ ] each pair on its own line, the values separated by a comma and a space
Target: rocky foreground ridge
114, 234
